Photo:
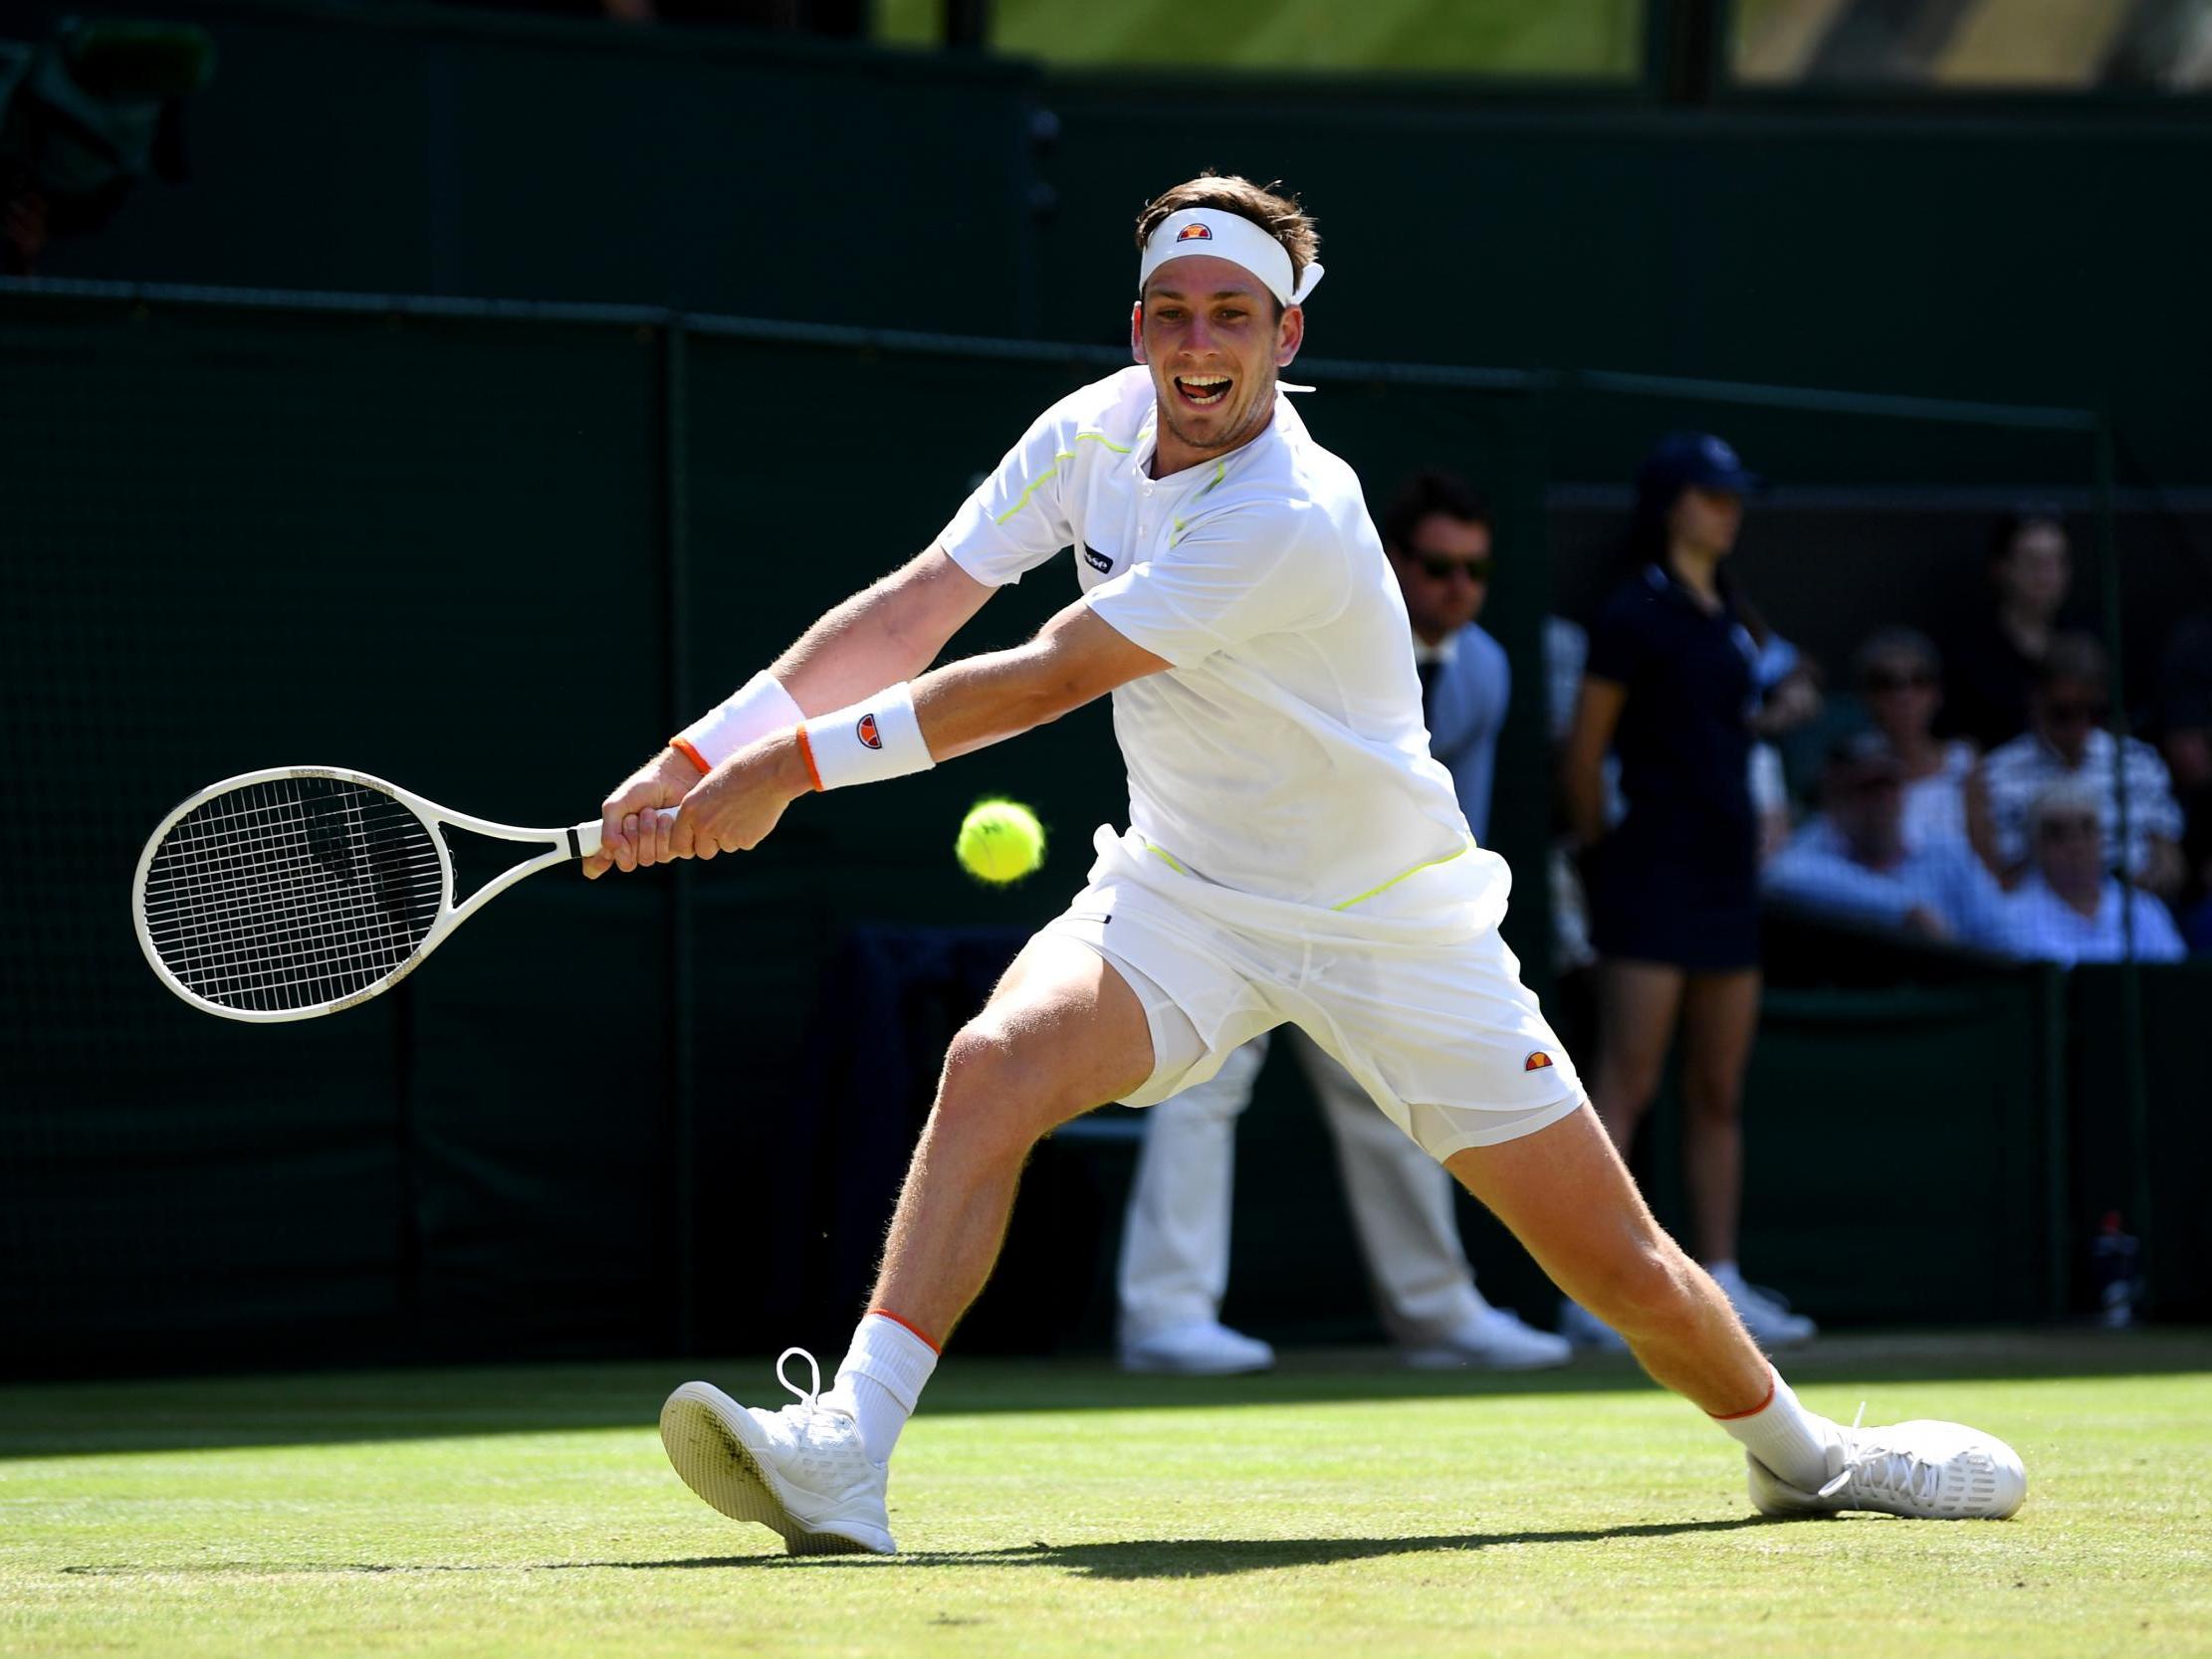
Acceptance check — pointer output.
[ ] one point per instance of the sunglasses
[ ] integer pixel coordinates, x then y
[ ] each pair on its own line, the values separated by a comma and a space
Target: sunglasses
2061, 829
1909, 679
2072, 709
1439, 567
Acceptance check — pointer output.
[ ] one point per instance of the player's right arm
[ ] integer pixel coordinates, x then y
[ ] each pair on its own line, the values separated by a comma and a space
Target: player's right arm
889, 632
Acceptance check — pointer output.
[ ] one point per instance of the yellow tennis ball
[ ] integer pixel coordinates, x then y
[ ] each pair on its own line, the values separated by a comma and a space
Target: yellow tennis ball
999, 842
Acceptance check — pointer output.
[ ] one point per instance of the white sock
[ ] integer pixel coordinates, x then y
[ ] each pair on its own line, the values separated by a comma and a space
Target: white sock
881, 1378
1787, 1438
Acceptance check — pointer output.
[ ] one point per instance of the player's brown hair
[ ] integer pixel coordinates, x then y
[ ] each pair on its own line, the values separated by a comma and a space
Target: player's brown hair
1266, 205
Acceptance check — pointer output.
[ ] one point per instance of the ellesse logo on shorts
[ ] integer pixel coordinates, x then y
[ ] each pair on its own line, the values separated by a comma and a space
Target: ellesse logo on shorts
870, 735
1537, 1062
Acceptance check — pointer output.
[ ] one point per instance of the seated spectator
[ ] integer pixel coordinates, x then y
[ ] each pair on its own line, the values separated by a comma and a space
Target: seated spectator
2066, 741
2069, 909
2185, 742
1992, 662
1855, 863
1899, 677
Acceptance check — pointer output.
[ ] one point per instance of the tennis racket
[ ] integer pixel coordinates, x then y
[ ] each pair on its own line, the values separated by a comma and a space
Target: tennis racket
296, 892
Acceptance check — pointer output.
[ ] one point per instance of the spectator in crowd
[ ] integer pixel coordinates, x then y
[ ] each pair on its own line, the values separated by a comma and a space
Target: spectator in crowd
1993, 660
2185, 742
1671, 684
1900, 679
1175, 1254
2067, 908
2065, 741
1855, 861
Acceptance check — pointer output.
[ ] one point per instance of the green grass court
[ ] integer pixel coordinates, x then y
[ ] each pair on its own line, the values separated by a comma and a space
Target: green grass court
1339, 1506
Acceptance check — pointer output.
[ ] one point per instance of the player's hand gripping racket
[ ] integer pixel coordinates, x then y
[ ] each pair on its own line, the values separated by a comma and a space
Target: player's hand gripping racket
300, 890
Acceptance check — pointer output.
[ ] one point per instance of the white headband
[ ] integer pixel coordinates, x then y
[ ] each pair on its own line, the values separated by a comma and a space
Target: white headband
1230, 236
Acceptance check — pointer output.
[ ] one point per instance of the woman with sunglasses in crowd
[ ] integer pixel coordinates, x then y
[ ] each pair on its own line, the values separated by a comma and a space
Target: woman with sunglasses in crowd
1672, 688
1900, 679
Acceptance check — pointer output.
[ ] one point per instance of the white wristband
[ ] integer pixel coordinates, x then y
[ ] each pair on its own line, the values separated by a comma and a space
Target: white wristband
868, 743
758, 708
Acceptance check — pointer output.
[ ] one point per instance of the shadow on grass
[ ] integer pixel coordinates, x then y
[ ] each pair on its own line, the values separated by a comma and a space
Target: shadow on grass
337, 1409
1132, 1559
1212, 1557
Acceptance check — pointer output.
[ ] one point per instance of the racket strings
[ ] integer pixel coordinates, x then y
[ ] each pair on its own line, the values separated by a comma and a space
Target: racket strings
290, 893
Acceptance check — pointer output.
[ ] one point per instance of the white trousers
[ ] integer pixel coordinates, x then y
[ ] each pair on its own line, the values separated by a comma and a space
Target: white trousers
1175, 1244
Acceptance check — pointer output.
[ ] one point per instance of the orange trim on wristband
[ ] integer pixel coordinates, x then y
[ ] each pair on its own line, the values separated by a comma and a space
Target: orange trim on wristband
683, 747
1733, 1416
911, 1329
807, 753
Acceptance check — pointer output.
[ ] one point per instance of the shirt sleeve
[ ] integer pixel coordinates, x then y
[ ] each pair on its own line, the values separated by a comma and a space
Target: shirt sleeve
1017, 518
2158, 940
1238, 575
1804, 875
1618, 644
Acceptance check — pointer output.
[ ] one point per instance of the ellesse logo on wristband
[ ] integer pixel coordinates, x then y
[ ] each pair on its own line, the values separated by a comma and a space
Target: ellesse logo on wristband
869, 733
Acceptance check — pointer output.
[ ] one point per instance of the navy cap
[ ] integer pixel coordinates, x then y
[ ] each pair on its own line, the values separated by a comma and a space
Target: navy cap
1695, 460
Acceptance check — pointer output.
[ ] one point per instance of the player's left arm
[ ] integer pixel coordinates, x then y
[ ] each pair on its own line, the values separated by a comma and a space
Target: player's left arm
965, 706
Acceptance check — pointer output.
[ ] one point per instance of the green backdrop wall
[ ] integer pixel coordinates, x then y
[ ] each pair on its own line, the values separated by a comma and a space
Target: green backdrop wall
490, 555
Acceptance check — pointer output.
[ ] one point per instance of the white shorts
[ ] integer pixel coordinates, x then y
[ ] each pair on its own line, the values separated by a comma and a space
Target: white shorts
1412, 991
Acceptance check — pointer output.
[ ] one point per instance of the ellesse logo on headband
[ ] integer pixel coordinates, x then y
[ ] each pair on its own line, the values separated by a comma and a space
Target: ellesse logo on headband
1194, 231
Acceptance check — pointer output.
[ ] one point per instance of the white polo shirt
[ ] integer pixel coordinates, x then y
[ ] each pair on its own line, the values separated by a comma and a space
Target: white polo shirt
1284, 753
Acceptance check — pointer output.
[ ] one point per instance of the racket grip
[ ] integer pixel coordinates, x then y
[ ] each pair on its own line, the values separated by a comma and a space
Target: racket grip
583, 839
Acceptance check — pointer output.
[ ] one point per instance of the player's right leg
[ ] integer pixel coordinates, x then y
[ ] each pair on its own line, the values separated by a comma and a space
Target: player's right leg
1063, 1032
1568, 1197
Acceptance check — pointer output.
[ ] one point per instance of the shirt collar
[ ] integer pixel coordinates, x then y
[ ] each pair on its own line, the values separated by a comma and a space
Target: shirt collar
2096, 750
1444, 651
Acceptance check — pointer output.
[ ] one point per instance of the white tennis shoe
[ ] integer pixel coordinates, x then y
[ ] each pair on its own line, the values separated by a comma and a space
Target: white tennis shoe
802, 1471
1932, 1471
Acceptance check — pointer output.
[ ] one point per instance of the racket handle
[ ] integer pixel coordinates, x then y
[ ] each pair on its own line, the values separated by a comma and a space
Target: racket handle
583, 840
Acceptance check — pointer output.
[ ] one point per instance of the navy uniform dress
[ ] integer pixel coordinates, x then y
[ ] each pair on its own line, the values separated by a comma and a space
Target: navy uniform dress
1676, 880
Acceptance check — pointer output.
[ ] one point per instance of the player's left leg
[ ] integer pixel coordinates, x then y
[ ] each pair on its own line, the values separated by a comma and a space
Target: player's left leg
1569, 1199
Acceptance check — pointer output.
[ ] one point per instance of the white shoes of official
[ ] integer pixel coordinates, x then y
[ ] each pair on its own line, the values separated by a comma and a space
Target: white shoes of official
1201, 1347
1580, 1328
1765, 1315
801, 1472
1928, 1470
1493, 1340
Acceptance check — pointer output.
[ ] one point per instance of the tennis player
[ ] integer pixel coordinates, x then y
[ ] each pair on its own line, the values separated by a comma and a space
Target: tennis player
1293, 855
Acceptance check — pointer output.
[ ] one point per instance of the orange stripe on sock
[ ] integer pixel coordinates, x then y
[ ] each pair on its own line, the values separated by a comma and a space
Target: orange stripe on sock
912, 1328
807, 753
682, 746
1732, 1416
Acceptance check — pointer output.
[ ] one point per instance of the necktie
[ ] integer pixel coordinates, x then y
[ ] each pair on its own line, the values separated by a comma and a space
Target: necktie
1428, 668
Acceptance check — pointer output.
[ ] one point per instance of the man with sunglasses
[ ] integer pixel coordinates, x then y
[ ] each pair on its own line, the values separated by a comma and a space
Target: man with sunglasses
2066, 741
1174, 1269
